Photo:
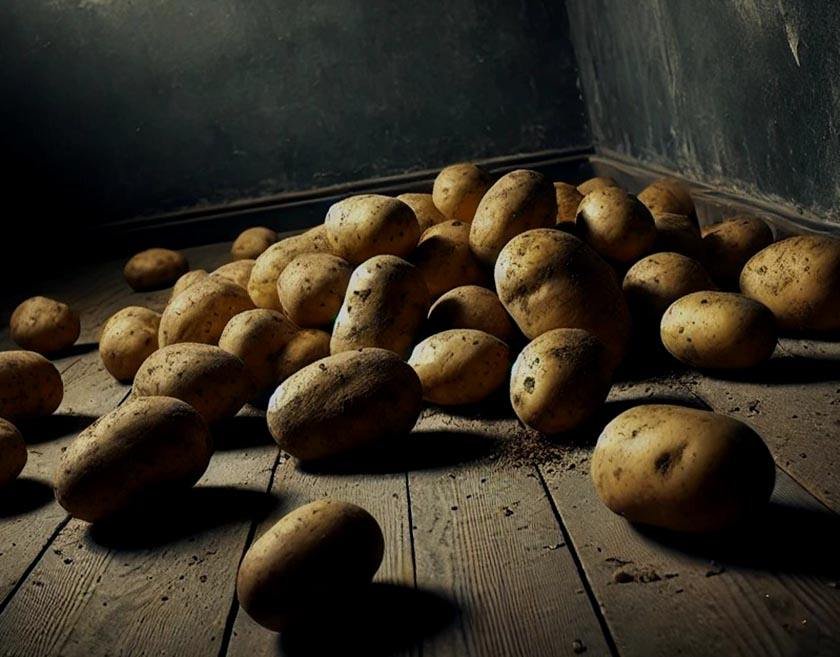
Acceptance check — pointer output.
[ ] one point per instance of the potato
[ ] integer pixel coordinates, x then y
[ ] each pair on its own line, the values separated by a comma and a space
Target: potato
445, 259
200, 312
187, 280
344, 402
384, 306
317, 556
258, 337
424, 209
238, 271
729, 244
145, 447
598, 182
128, 338
518, 201
548, 279
678, 234
262, 286
458, 189
681, 468
30, 385
44, 325
471, 307
305, 347
460, 366
616, 225
13, 453
568, 199
720, 330
655, 282
311, 288
154, 269
211, 380
251, 242
560, 380
668, 195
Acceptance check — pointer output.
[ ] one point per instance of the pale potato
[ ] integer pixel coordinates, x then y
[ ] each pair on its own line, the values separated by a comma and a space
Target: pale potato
238, 271
424, 209
251, 242
305, 347
669, 196
311, 288
44, 325
729, 244
445, 259
472, 307
187, 280
678, 234
458, 189
129, 337
13, 454
154, 269
598, 182
30, 385
616, 225
568, 199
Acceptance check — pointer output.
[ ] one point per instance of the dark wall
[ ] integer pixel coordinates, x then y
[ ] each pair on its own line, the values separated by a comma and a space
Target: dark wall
117, 108
744, 94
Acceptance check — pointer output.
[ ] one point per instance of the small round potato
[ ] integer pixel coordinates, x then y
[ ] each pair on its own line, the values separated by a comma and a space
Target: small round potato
384, 306
729, 244
424, 209
211, 380
460, 366
668, 196
678, 234
458, 189
187, 280
128, 338
305, 347
154, 269
252, 242
719, 330
568, 199
311, 288
681, 468
44, 325
445, 259
238, 271
472, 307
13, 453
616, 225
598, 182
368, 225
560, 380
344, 402
144, 447
317, 556
30, 385
518, 201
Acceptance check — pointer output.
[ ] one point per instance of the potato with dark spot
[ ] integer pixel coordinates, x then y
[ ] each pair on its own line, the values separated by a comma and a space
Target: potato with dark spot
315, 560
458, 189
345, 402
154, 269
251, 242
669, 196
311, 288
616, 225
128, 338
729, 244
238, 271
146, 447
445, 259
682, 469
384, 306
472, 307
187, 280
305, 347
678, 234
598, 182
30, 385
13, 453
719, 330
460, 366
424, 209
560, 380
520, 200
44, 325
568, 199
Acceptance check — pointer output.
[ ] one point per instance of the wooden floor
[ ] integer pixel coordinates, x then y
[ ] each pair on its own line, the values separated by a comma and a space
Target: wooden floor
495, 541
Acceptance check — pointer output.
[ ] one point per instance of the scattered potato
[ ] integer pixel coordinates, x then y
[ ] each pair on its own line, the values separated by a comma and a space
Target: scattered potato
211, 380
616, 224
598, 182
568, 199
445, 259
305, 347
13, 453
344, 402
30, 385
128, 338
678, 234
460, 366
187, 280
518, 201
384, 306
458, 189
311, 288
681, 468
154, 269
424, 209
238, 271
472, 307
252, 242
669, 196
44, 325
146, 446
318, 555
729, 244
719, 330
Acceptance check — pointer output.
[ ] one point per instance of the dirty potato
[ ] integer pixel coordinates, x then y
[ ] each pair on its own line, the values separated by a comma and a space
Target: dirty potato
568, 199
458, 189
669, 196
616, 225
471, 307
445, 259
678, 234
311, 288
251, 242
238, 271
30, 385
305, 347
187, 280
154, 269
424, 209
129, 337
729, 244
44, 325
13, 453
598, 182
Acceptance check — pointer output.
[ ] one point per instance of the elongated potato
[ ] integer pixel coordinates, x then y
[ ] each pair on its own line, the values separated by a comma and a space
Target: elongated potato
568, 199
238, 271
13, 453
560, 380
344, 402
668, 195
318, 556
30, 385
145, 447
384, 306
616, 224
461, 366
445, 259
677, 233
424, 209
44, 325
211, 380
128, 338
472, 307
598, 182
251, 242
719, 330
187, 280
458, 189
311, 288
681, 468
729, 244
154, 269
518, 201
305, 347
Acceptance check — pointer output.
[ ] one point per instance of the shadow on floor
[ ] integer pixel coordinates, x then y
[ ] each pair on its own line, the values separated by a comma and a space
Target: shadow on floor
78, 349
24, 495
45, 429
241, 432
784, 370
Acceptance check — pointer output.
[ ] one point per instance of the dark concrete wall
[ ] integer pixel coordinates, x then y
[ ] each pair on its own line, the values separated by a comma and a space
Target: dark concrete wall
744, 94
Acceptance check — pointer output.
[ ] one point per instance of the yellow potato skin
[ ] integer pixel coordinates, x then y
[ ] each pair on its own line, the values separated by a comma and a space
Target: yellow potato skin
153, 269
424, 209
320, 553
445, 259
30, 385
238, 271
718, 330
129, 337
187, 280
729, 244
13, 454
616, 224
669, 196
458, 189
677, 233
460, 366
598, 182
305, 347
568, 199
251, 242
472, 307
44, 325
311, 288
681, 468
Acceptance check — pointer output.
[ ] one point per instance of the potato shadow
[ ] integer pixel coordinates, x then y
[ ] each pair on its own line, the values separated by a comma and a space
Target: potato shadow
24, 495
386, 619
497, 406
36, 431
78, 349
166, 519
241, 432
783, 370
